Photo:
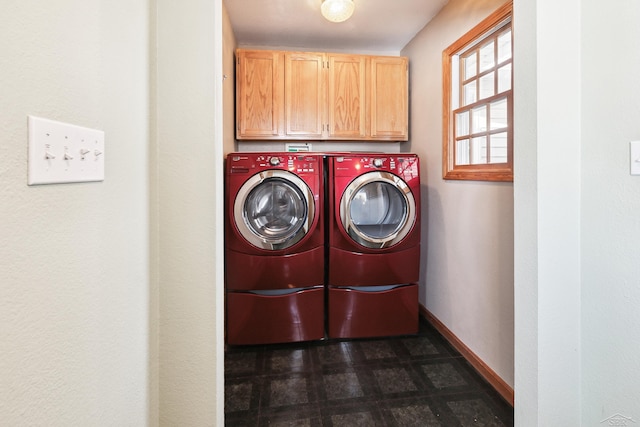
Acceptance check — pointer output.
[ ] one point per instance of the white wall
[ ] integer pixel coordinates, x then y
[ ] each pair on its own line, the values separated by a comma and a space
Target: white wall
577, 229
525, 214
467, 227
610, 222
74, 257
547, 188
188, 199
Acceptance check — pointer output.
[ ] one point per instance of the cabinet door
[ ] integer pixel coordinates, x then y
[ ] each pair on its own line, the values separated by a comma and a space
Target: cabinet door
389, 98
305, 95
259, 94
347, 96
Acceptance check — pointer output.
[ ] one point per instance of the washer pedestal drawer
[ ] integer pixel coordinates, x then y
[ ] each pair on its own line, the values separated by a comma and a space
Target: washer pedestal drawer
254, 318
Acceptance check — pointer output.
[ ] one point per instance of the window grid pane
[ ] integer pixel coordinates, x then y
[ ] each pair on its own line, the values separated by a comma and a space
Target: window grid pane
487, 56
504, 46
479, 150
462, 124
498, 148
470, 66
470, 93
479, 119
504, 78
462, 152
498, 114
487, 85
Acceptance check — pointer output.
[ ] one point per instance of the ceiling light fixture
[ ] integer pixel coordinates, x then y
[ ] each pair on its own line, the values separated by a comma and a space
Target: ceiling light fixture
337, 10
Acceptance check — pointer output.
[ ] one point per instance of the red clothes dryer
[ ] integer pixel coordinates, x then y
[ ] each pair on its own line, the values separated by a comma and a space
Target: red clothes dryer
374, 244
274, 247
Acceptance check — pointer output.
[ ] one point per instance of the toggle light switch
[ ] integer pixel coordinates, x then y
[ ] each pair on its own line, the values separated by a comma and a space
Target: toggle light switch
53, 148
634, 157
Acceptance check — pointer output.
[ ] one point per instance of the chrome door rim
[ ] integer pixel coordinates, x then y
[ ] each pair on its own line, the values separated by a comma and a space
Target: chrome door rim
352, 229
248, 232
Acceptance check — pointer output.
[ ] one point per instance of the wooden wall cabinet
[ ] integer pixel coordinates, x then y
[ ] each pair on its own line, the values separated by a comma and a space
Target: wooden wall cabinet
305, 99
320, 96
259, 94
347, 97
389, 101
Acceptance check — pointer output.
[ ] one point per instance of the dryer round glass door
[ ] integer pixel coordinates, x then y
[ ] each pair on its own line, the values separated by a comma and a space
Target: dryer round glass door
377, 210
274, 210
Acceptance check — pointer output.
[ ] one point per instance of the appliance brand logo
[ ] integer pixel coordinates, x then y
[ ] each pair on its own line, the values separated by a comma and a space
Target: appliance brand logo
618, 420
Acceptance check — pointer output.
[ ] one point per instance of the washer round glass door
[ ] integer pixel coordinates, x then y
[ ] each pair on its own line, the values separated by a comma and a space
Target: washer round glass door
377, 210
274, 209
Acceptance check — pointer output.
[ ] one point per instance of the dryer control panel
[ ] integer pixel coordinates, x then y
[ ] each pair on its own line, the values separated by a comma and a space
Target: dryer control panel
299, 164
405, 166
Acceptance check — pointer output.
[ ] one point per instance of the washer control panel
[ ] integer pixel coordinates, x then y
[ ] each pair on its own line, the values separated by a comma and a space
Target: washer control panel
251, 162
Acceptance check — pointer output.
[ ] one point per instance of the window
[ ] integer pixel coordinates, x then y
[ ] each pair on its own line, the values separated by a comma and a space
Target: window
478, 102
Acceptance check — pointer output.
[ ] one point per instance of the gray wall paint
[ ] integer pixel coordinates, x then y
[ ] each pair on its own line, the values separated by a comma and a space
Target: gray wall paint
467, 226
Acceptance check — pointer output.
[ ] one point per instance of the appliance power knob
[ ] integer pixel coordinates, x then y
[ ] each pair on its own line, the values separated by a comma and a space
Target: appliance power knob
377, 163
274, 161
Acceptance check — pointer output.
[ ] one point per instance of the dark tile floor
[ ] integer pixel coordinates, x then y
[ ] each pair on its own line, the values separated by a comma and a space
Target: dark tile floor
416, 380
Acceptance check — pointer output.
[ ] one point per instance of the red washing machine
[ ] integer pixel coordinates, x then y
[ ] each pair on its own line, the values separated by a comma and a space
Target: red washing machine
374, 244
274, 248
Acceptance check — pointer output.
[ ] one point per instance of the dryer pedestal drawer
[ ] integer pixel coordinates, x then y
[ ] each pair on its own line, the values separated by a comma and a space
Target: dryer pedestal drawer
348, 268
254, 318
356, 313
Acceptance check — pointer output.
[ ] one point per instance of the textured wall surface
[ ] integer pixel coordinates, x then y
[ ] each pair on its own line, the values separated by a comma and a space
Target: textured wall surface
74, 257
467, 226
610, 225
188, 200
577, 228
547, 187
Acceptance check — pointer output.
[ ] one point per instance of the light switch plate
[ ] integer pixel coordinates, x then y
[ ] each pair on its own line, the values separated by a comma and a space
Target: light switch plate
62, 153
634, 157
